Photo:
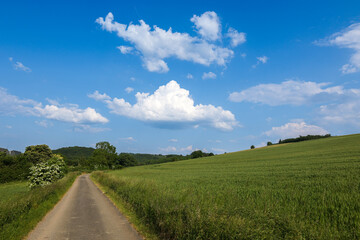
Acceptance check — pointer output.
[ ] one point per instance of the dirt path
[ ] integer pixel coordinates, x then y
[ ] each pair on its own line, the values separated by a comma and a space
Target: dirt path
84, 213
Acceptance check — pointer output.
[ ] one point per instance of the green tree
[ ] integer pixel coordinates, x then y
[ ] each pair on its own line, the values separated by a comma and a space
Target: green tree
38, 153
126, 160
252, 147
197, 154
107, 147
269, 143
104, 156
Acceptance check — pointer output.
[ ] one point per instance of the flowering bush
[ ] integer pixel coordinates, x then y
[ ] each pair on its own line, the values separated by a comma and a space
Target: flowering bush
45, 173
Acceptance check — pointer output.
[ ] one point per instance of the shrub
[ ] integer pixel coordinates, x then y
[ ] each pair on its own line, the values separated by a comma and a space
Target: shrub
45, 173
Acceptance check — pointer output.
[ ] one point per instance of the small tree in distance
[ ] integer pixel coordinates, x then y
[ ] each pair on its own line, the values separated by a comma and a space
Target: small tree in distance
252, 147
269, 143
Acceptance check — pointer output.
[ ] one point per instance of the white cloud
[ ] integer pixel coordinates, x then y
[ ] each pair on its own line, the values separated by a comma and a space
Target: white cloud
208, 25
129, 89
11, 105
347, 38
98, 97
295, 129
243, 55
171, 107
132, 79
218, 150
236, 38
189, 76
288, 92
156, 44
19, 66
209, 75
8, 126
125, 49
70, 114
173, 140
182, 150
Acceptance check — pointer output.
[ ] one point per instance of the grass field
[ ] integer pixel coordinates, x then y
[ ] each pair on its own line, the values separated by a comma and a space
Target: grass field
11, 190
21, 209
305, 190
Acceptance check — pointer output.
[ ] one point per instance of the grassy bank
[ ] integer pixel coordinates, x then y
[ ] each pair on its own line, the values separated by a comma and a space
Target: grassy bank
306, 190
21, 209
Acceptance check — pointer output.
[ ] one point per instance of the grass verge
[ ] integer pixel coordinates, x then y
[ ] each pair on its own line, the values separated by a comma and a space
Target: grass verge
125, 208
20, 213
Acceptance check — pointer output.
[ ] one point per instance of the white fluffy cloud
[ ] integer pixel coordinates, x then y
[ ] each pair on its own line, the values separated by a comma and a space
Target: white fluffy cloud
171, 105
208, 25
209, 75
12, 105
236, 38
288, 92
347, 38
172, 149
295, 129
156, 44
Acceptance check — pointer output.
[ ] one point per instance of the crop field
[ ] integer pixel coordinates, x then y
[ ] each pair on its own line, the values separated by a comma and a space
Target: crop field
21, 208
305, 190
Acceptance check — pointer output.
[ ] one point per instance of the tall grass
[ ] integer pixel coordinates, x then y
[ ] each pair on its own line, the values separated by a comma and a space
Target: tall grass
21, 212
306, 190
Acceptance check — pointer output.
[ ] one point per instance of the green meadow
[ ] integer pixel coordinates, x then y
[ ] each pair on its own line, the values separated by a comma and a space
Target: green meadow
305, 190
21, 208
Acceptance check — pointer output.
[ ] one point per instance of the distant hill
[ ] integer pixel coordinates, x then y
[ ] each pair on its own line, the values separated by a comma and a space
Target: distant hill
73, 154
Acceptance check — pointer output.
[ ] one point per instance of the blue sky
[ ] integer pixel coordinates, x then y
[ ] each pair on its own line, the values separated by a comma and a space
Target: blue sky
167, 77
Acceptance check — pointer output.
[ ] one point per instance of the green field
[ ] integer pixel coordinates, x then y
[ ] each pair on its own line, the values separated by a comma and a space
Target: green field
305, 190
21, 208
12, 190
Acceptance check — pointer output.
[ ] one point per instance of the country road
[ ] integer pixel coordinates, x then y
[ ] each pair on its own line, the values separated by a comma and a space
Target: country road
84, 213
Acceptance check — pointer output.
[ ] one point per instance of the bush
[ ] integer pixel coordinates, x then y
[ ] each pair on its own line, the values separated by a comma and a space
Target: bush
252, 147
45, 173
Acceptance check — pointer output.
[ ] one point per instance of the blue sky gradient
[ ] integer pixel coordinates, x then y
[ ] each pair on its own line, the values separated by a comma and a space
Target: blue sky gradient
296, 71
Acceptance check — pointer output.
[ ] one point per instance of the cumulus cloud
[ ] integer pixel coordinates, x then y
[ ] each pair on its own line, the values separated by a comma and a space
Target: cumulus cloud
12, 105
173, 140
171, 106
155, 44
19, 66
295, 129
189, 76
288, 92
125, 49
70, 114
208, 25
347, 38
236, 38
209, 75
129, 89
